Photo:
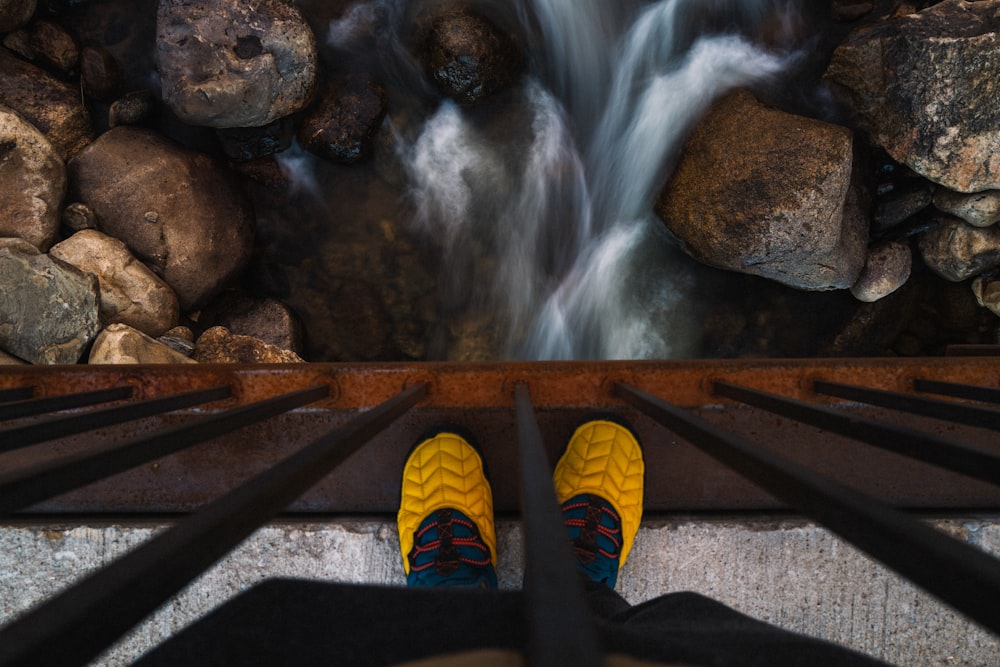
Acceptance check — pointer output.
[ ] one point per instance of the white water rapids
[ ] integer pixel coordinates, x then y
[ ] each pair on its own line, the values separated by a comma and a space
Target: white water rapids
550, 230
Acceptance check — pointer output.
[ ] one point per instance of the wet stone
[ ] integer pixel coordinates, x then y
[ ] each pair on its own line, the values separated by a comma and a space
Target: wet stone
99, 73
250, 143
342, 125
902, 203
121, 344
49, 313
32, 182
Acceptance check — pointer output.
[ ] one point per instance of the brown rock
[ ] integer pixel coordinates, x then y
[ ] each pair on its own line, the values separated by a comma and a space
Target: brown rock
771, 194
886, 270
32, 182
925, 85
220, 346
228, 63
987, 293
130, 293
55, 46
956, 250
177, 210
99, 73
54, 107
850, 10
266, 319
15, 13
121, 344
468, 57
980, 209
131, 108
342, 124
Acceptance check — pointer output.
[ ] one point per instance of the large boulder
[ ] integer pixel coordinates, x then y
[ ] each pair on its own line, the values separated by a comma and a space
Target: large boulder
926, 87
768, 193
179, 211
53, 106
130, 293
49, 309
227, 63
32, 182
468, 57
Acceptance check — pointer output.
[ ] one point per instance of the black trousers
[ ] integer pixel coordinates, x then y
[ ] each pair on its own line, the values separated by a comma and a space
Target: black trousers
292, 622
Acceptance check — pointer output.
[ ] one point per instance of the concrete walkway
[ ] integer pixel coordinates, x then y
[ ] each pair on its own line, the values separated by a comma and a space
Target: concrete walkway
786, 572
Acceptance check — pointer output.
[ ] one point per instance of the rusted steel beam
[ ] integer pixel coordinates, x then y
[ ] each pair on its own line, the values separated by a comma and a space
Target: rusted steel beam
481, 398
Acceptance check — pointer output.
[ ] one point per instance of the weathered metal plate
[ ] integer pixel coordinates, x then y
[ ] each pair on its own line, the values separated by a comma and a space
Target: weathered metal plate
480, 399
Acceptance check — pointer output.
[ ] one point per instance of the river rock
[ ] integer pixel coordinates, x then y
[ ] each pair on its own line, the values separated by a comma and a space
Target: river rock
218, 345
11, 360
32, 182
926, 87
342, 124
956, 250
897, 206
99, 73
179, 211
130, 293
266, 319
980, 209
15, 13
121, 344
768, 193
54, 107
468, 57
49, 309
227, 63
244, 144
132, 108
887, 268
987, 292
54, 46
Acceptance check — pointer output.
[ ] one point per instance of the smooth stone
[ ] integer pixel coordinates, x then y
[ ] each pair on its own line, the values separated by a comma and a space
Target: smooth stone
886, 269
99, 73
49, 311
130, 293
956, 250
121, 344
342, 125
980, 209
55, 46
32, 182
15, 13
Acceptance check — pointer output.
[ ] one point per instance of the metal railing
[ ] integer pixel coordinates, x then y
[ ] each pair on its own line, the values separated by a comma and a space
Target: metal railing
311, 419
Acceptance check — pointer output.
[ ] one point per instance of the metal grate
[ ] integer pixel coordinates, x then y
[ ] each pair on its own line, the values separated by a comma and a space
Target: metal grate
234, 446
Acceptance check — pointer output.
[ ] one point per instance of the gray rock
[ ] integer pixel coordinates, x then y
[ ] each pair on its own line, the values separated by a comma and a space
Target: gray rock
130, 293
218, 345
54, 107
226, 63
956, 250
49, 310
177, 210
266, 319
32, 182
981, 209
926, 86
121, 344
771, 194
887, 268
468, 57
15, 13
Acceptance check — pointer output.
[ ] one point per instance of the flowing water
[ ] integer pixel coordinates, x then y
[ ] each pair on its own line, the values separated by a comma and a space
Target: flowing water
582, 270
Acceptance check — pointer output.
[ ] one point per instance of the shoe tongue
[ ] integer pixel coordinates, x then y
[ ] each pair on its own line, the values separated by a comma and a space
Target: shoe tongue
585, 544
446, 562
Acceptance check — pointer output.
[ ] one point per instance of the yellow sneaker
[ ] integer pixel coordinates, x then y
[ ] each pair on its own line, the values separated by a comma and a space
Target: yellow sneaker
599, 484
446, 530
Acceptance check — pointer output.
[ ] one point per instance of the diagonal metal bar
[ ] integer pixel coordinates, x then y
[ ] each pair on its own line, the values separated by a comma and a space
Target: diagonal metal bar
38, 406
561, 629
16, 394
971, 415
22, 488
973, 460
74, 626
58, 427
957, 573
956, 390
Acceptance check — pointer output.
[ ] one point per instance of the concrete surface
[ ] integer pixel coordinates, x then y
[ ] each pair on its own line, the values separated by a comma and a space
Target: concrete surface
786, 572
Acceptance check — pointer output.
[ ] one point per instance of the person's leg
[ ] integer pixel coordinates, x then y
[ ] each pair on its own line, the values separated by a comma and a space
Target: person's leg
445, 519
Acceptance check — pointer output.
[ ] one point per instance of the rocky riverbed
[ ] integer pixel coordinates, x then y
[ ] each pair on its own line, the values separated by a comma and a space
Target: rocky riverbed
219, 181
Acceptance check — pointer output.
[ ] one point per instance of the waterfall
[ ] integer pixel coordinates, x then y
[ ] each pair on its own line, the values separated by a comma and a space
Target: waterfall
549, 229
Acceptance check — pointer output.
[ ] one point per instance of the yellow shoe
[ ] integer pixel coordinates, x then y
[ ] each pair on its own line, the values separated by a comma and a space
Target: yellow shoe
599, 484
446, 530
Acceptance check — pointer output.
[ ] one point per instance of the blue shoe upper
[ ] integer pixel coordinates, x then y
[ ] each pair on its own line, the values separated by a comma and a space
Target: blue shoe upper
448, 551
595, 530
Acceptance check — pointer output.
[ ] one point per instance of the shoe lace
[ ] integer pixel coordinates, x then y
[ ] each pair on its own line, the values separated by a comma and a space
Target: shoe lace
444, 548
590, 526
